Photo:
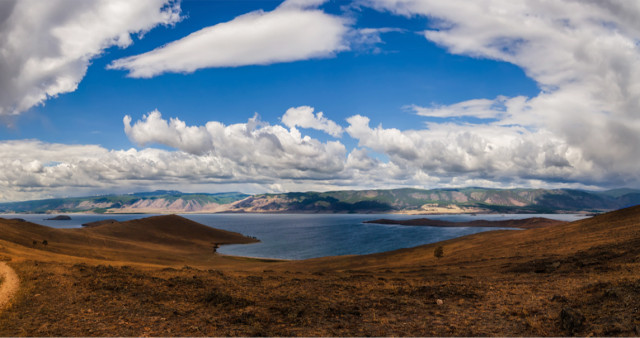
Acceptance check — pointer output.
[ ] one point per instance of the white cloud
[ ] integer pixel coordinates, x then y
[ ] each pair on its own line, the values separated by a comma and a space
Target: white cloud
500, 154
582, 130
296, 30
584, 56
46, 46
176, 134
34, 169
303, 117
243, 158
480, 108
252, 146
368, 39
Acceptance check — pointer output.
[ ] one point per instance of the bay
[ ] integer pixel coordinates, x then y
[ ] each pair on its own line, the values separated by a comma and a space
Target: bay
302, 236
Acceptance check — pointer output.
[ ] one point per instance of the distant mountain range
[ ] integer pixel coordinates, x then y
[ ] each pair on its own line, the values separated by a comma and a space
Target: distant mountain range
418, 201
160, 201
409, 201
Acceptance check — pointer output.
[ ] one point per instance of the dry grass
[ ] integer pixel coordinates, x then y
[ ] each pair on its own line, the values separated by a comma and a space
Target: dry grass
573, 279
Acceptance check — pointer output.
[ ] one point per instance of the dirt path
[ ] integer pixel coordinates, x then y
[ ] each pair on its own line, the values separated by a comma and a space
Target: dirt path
9, 285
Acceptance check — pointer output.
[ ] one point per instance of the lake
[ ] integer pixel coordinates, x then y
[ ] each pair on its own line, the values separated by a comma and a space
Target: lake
301, 236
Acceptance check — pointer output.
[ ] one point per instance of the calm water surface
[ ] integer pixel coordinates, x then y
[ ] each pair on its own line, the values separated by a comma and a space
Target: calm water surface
296, 236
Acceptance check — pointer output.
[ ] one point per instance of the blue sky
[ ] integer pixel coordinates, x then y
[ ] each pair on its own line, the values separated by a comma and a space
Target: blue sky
226, 95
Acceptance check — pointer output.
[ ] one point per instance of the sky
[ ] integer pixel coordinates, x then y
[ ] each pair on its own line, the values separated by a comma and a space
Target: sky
120, 96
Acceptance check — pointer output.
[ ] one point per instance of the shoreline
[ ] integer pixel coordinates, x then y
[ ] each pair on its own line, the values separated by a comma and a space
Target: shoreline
402, 213
524, 223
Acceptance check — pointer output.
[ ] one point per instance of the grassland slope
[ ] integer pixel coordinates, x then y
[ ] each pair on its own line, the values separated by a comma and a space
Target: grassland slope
615, 233
168, 230
169, 239
578, 278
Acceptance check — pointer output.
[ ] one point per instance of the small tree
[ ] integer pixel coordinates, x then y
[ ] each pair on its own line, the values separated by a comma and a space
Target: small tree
215, 247
45, 242
438, 252
35, 242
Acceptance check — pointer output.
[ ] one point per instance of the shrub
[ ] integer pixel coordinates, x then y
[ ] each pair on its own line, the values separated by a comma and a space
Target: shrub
438, 252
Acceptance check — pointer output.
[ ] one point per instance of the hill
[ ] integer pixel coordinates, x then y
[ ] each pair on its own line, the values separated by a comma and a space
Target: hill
436, 201
408, 201
160, 201
159, 239
576, 278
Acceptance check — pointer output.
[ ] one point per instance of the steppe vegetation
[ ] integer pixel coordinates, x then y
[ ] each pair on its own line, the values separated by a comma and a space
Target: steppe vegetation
139, 278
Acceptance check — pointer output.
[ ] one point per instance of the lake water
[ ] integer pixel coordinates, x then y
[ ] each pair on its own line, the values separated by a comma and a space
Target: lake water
301, 236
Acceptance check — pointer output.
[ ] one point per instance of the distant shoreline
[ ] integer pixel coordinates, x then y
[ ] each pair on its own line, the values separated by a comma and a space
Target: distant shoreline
525, 223
299, 213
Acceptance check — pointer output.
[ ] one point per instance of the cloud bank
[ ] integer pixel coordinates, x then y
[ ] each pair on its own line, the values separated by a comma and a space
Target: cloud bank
256, 156
581, 131
294, 31
253, 147
46, 46
584, 57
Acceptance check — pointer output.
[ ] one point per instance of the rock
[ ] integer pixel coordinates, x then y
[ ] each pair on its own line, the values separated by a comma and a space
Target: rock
559, 298
439, 301
571, 320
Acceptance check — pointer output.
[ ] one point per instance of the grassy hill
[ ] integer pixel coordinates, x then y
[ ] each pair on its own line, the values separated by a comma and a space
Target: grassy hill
160, 239
158, 277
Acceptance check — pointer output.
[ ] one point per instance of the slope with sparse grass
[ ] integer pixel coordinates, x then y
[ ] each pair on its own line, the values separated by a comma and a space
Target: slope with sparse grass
577, 278
9, 283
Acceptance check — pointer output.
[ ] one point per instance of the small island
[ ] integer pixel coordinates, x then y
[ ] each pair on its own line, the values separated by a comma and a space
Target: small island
59, 218
527, 223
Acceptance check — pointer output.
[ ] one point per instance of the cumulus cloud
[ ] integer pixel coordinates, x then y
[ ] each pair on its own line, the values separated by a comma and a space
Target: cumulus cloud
31, 169
175, 133
585, 58
47, 46
447, 152
34, 169
582, 130
295, 30
259, 157
254, 145
303, 117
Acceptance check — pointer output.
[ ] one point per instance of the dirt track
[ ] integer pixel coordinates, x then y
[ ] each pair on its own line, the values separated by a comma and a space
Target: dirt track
9, 285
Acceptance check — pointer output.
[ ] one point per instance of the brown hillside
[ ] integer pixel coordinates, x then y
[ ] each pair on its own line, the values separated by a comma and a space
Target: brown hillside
168, 230
167, 239
578, 278
619, 230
